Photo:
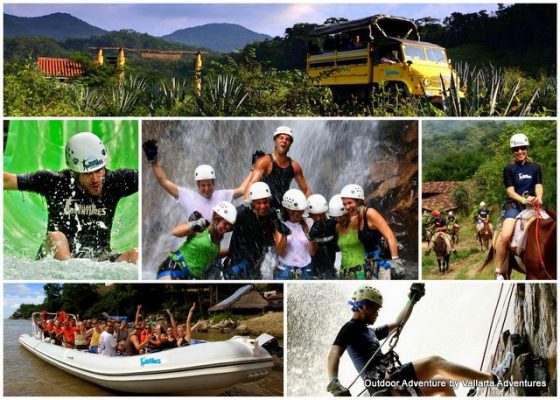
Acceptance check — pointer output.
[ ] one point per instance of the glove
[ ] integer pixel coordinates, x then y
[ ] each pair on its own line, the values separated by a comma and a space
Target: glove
398, 269
150, 149
199, 225
195, 216
336, 389
317, 229
279, 225
417, 291
256, 155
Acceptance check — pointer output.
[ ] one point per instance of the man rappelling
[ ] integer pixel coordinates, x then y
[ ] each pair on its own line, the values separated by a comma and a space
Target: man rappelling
383, 370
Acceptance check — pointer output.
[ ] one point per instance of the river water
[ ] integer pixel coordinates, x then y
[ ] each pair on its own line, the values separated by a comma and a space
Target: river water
27, 375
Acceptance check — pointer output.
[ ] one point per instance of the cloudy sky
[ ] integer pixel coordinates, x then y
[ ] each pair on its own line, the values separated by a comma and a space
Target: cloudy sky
20, 293
271, 19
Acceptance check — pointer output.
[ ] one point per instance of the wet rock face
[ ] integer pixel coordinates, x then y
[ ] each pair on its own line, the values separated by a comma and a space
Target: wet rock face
534, 341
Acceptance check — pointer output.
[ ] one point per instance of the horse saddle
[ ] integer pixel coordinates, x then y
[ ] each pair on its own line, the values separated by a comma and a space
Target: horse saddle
522, 223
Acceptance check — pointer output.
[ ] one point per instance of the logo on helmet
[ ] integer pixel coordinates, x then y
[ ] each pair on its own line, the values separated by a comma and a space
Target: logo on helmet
89, 164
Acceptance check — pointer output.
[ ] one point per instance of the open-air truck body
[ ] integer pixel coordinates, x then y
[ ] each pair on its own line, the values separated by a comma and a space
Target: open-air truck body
346, 57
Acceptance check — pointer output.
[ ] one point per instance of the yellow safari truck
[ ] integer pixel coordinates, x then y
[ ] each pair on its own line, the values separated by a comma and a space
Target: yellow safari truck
379, 51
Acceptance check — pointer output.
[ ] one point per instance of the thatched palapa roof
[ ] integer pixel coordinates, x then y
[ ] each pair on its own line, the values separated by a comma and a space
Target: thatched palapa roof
245, 298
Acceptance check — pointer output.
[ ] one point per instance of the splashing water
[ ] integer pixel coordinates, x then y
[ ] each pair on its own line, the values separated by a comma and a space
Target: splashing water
73, 269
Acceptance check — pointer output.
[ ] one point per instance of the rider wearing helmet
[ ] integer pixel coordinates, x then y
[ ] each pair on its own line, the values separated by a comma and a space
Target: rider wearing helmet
379, 370
323, 233
523, 182
295, 250
482, 216
277, 169
202, 246
205, 198
81, 201
439, 227
371, 227
253, 235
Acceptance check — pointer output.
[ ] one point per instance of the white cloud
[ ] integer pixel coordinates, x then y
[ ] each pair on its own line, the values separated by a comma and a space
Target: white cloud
17, 294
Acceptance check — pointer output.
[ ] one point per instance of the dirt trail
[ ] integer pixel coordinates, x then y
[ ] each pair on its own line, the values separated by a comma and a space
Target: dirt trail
464, 264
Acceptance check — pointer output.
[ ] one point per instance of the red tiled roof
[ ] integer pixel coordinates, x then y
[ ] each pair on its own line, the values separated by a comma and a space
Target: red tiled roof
438, 195
60, 67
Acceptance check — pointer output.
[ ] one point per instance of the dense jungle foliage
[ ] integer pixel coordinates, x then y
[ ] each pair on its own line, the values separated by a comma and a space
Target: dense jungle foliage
494, 54
90, 301
476, 153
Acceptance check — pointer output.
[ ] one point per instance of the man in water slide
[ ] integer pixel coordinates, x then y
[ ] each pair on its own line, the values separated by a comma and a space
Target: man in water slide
81, 201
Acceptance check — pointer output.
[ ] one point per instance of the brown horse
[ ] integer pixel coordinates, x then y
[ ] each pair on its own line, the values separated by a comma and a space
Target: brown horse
442, 253
538, 261
484, 236
453, 232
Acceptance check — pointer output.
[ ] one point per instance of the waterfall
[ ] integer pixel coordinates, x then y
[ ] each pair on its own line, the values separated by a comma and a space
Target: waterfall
332, 153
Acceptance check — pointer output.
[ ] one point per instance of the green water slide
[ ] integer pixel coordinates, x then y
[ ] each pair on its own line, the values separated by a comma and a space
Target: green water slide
32, 145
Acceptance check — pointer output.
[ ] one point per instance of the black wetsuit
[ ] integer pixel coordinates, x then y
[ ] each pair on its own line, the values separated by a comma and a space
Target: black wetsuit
85, 220
250, 238
323, 232
279, 181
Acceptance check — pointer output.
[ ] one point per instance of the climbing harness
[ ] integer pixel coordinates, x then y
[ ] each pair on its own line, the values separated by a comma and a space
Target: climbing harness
393, 339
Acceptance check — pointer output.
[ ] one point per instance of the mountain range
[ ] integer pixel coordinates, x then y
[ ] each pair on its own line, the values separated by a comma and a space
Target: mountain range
220, 37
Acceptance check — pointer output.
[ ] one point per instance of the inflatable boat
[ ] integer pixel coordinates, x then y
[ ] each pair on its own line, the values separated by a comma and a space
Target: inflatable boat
207, 368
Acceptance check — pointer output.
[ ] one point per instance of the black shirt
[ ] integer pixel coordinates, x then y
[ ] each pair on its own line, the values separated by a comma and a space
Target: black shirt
361, 343
251, 236
323, 232
85, 220
279, 181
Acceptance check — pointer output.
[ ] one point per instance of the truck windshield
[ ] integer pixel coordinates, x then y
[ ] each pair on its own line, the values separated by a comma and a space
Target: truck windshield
418, 53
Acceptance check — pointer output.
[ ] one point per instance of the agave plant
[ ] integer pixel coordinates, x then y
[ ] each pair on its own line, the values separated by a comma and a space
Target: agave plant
84, 99
221, 97
124, 98
166, 95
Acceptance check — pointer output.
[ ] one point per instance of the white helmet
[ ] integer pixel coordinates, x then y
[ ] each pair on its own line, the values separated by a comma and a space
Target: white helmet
519, 139
283, 130
336, 208
203, 172
317, 204
367, 292
352, 192
259, 190
226, 210
85, 153
450, 213
482, 204
294, 199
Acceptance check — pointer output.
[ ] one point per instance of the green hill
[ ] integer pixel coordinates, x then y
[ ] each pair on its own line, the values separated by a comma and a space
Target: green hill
58, 26
223, 38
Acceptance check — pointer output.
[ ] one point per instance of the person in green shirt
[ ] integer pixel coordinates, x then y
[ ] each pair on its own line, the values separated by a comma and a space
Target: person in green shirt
202, 245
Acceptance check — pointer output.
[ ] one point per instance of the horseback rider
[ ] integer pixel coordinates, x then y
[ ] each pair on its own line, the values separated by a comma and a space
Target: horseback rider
452, 219
482, 217
381, 370
523, 182
439, 227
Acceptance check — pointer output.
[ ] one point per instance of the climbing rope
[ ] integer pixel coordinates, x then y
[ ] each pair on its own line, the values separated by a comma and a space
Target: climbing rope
490, 328
508, 296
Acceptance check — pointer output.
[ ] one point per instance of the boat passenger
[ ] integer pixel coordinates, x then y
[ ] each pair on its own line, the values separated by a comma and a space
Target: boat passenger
122, 332
133, 344
107, 342
80, 341
94, 333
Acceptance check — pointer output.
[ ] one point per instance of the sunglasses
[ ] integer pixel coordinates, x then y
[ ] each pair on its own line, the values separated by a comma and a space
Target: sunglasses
516, 149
